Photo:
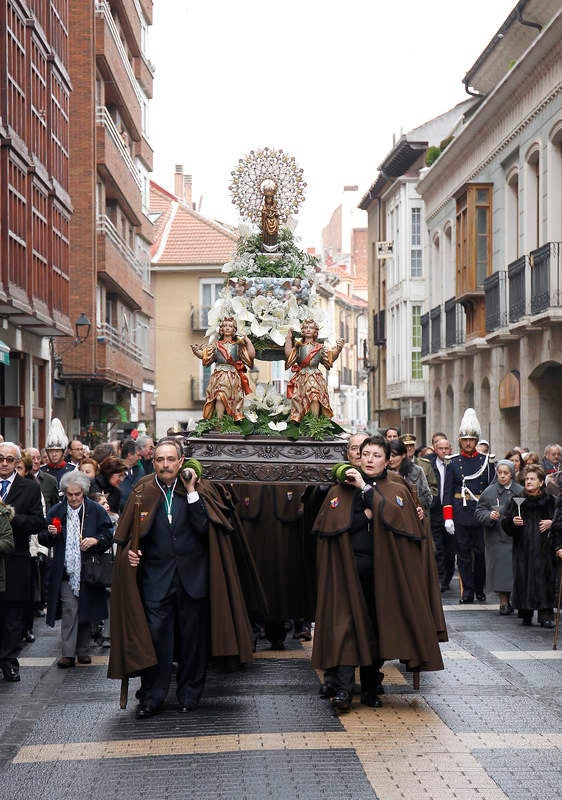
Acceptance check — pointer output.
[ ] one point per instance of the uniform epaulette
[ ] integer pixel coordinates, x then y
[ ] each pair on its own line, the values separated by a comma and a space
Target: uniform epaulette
492, 457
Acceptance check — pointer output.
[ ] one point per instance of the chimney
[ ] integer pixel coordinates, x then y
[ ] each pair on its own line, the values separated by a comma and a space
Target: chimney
178, 182
187, 190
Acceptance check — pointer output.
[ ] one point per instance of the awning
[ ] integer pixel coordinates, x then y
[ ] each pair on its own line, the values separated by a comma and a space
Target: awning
4, 353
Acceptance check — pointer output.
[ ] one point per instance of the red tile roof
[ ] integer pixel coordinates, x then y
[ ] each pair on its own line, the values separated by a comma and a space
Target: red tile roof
183, 236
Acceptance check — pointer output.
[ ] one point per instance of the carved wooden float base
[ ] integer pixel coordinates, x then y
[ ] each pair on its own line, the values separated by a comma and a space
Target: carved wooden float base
230, 458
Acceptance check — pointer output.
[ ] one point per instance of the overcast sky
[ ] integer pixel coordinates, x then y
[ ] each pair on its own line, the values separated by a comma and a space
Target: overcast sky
329, 82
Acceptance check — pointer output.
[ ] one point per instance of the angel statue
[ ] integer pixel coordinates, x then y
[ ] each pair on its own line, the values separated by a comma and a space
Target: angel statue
269, 216
307, 389
228, 384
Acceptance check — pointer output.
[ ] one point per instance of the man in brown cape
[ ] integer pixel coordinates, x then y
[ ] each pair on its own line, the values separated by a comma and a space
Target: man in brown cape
407, 601
189, 563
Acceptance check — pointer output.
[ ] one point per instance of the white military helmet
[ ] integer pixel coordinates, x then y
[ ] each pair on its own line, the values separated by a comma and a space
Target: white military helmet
470, 427
56, 437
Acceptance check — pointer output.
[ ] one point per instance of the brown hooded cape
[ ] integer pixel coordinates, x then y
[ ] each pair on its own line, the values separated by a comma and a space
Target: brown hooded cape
408, 601
131, 643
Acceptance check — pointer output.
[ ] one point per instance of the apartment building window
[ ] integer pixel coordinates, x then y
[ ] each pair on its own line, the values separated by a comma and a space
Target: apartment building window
142, 338
417, 371
61, 256
474, 238
38, 102
554, 192
209, 292
17, 225
40, 244
512, 216
16, 70
415, 244
532, 201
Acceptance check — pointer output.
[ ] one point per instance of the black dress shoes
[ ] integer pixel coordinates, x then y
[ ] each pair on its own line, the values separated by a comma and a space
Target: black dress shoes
144, 711
467, 598
11, 673
480, 596
189, 705
370, 700
326, 690
28, 637
341, 701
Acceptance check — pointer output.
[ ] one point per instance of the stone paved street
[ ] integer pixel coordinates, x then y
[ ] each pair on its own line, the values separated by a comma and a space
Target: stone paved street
489, 726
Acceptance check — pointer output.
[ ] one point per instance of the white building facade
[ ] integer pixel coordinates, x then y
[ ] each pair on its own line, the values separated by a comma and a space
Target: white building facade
492, 323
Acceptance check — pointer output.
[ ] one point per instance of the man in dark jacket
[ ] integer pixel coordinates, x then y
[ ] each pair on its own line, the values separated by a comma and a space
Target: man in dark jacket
173, 562
198, 580
47, 483
25, 497
130, 454
468, 473
444, 542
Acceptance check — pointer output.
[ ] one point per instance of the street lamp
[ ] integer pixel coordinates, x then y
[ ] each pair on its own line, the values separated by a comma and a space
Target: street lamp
82, 328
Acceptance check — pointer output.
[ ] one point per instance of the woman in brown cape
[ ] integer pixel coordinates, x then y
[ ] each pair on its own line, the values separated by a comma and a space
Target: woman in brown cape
378, 593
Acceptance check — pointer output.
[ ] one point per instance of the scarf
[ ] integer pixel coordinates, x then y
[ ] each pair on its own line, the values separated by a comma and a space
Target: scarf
72, 554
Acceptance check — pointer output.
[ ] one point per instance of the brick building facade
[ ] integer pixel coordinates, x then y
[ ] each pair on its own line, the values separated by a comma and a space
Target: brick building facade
109, 379
35, 208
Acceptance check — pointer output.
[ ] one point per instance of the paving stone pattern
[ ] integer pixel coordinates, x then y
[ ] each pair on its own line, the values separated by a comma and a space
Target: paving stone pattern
489, 727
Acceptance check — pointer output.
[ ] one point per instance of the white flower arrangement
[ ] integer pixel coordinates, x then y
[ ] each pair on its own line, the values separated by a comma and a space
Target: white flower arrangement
267, 402
264, 315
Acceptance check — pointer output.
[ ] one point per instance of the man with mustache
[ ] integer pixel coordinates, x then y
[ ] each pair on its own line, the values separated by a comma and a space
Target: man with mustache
176, 594
172, 562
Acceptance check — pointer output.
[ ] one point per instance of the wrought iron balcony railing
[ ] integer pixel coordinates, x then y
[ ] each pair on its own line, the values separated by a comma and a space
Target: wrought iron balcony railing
517, 278
545, 277
495, 291
435, 317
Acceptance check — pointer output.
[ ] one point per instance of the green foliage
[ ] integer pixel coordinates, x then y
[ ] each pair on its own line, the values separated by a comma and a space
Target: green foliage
431, 154
293, 263
223, 424
310, 427
318, 428
445, 143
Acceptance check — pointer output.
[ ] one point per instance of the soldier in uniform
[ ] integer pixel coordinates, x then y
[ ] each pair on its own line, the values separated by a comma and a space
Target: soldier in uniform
409, 441
468, 473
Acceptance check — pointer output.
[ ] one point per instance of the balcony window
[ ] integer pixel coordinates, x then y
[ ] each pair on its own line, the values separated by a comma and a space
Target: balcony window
416, 244
417, 371
474, 238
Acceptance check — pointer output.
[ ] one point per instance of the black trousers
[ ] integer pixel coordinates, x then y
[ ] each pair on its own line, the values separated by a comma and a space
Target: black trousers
11, 629
470, 558
343, 676
445, 551
179, 626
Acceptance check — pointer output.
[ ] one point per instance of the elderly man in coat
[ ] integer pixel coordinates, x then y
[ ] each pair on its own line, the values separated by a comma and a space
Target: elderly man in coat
25, 497
175, 592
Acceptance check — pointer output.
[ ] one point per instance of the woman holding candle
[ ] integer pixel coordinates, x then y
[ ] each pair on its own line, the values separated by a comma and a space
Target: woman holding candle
529, 524
492, 506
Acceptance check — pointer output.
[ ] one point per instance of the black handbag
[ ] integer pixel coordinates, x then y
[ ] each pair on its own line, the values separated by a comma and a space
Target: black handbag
97, 568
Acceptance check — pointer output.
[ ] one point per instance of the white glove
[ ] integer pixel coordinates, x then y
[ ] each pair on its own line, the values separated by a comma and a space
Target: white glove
450, 526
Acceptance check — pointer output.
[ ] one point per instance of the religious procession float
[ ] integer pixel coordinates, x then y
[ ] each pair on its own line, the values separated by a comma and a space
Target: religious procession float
269, 309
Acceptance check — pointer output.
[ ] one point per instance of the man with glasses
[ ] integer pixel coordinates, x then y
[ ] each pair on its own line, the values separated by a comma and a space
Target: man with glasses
24, 496
75, 453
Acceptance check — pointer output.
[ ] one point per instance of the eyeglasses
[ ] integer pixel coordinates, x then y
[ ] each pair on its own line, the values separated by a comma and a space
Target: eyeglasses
8, 459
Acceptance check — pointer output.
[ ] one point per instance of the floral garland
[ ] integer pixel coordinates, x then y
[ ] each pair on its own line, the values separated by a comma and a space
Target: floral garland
269, 295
